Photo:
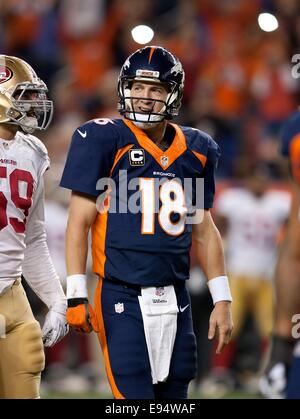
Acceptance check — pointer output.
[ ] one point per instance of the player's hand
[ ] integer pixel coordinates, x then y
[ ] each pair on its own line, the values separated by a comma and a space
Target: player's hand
55, 326
81, 316
220, 324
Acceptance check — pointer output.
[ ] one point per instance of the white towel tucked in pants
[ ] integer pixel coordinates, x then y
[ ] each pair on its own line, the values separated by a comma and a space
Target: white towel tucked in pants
159, 311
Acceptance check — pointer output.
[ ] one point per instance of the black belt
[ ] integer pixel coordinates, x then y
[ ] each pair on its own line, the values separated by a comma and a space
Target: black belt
135, 287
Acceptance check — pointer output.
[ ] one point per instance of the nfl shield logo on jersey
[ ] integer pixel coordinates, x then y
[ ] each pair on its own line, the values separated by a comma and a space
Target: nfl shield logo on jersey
164, 160
119, 308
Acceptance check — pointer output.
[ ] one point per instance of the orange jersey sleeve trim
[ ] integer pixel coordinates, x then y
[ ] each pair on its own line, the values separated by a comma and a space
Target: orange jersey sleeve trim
200, 157
163, 158
119, 155
294, 150
103, 342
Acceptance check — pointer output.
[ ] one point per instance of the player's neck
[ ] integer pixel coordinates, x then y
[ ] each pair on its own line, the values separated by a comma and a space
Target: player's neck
157, 133
8, 132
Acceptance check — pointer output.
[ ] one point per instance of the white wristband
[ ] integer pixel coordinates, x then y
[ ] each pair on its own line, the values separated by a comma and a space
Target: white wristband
219, 289
76, 286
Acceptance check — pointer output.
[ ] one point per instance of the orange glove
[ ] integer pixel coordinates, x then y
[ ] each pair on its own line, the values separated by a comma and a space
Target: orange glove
81, 316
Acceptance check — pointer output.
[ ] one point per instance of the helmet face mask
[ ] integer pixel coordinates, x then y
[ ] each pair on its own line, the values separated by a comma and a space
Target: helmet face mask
151, 65
149, 117
23, 98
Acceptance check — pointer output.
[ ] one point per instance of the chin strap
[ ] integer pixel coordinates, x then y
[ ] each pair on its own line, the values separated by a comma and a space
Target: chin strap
144, 125
28, 124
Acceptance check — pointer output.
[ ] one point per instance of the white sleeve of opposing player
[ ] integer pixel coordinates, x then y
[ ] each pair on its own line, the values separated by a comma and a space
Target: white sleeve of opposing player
38, 268
224, 203
285, 201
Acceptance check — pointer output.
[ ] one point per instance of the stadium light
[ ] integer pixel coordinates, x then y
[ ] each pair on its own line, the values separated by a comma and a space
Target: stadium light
142, 34
267, 22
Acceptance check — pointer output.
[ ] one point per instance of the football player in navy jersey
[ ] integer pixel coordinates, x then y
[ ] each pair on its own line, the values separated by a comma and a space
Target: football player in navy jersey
282, 375
136, 184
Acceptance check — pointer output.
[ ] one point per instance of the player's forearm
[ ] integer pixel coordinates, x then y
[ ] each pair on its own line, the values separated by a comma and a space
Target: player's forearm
76, 248
37, 266
287, 273
40, 273
287, 284
210, 253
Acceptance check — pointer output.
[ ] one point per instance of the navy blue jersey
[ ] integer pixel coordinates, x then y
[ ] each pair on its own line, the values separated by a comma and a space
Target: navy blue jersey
290, 144
142, 237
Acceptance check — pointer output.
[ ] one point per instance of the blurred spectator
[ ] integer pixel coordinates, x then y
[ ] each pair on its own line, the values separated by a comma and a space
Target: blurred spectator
272, 85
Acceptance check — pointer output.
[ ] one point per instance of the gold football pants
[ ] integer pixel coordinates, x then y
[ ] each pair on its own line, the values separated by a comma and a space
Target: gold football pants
21, 349
254, 296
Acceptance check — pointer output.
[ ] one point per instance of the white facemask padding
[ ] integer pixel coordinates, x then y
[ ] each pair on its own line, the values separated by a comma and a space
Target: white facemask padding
140, 124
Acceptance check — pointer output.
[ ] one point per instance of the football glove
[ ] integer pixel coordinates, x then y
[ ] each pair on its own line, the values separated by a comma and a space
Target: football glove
81, 316
55, 325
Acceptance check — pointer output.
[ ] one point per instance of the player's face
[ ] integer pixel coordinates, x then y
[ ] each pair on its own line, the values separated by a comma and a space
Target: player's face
257, 184
148, 97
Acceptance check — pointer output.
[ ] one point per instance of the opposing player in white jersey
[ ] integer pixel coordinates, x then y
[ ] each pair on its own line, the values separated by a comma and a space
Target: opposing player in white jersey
252, 218
24, 108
